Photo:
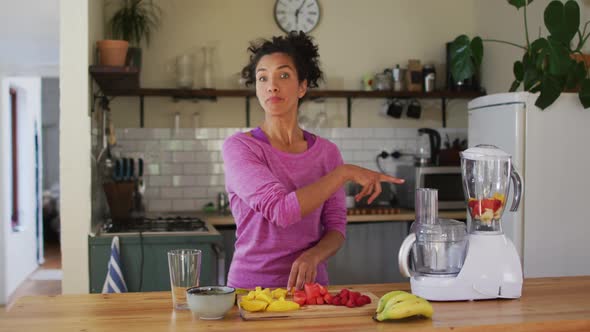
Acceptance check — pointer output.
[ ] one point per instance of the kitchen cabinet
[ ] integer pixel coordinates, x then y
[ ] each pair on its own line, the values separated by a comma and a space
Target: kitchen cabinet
144, 259
124, 82
369, 254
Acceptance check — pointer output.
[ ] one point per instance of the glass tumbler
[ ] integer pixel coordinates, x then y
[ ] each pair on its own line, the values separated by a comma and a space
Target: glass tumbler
185, 267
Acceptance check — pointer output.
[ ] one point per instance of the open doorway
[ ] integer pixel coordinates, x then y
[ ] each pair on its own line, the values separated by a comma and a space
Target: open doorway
50, 152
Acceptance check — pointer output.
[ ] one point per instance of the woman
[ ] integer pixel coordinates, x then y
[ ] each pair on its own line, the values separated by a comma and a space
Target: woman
285, 185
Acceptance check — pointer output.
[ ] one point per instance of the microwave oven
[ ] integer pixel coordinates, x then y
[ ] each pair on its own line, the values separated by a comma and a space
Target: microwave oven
446, 179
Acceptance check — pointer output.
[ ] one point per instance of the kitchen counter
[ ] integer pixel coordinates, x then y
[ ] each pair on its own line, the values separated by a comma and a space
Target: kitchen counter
403, 215
547, 304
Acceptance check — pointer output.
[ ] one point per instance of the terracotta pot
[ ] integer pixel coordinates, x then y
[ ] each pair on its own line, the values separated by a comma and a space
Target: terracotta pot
582, 58
112, 52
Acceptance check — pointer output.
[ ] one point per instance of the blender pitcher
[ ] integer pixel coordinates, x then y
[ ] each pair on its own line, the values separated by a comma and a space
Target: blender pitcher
437, 246
486, 172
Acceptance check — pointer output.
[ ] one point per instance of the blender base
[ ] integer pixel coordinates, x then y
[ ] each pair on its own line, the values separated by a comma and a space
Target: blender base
491, 270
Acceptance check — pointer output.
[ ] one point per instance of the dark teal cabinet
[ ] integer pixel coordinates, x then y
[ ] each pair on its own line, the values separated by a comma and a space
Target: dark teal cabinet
145, 261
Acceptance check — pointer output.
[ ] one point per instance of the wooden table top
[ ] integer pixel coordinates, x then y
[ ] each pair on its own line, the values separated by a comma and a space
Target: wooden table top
547, 304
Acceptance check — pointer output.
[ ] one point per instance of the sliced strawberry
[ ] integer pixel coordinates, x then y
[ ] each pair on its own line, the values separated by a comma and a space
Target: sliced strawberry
322, 289
336, 300
299, 297
350, 303
355, 295
310, 301
344, 292
319, 300
365, 298
328, 298
311, 290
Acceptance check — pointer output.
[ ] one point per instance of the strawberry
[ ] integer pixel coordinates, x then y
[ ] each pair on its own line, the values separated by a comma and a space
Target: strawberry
350, 303
319, 300
344, 292
336, 300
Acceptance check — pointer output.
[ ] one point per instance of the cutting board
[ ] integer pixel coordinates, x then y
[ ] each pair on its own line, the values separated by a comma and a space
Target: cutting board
315, 311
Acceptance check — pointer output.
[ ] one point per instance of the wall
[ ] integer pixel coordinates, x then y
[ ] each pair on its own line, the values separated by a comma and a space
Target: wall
19, 248
50, 110
78, 30
384, 33
184, 169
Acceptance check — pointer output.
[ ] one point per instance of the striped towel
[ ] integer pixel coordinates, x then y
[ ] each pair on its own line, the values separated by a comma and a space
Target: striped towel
114, 283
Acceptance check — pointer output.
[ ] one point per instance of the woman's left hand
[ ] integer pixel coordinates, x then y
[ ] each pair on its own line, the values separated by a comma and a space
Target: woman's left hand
303, 270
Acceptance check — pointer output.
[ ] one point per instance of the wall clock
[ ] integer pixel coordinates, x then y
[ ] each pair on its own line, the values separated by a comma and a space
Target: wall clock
298, 15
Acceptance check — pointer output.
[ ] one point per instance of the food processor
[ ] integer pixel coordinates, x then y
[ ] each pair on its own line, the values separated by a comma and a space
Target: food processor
452, 262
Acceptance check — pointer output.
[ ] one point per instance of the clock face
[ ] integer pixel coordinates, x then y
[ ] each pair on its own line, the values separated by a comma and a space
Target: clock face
298, 15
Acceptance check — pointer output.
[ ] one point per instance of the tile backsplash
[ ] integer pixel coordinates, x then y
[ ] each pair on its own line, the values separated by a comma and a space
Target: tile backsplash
184, 168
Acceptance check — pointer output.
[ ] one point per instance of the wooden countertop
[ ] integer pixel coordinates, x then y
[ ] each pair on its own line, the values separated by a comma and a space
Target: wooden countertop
403, 215
547, 304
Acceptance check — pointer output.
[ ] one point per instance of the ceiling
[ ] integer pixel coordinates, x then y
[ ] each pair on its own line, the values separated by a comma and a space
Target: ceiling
29, 31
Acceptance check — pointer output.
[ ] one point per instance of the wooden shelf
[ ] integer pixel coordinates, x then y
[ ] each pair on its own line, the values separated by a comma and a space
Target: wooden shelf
124, 82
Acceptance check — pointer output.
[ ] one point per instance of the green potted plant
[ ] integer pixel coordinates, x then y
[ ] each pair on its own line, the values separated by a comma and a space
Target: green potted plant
135, 21
549, 65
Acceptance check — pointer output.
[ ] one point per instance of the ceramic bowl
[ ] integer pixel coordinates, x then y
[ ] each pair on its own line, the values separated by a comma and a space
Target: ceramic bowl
210, 302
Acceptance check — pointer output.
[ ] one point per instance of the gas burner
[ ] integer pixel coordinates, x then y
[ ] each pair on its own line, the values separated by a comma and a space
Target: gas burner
156, 224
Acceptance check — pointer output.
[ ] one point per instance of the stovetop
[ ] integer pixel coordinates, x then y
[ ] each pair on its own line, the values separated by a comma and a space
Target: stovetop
165, 224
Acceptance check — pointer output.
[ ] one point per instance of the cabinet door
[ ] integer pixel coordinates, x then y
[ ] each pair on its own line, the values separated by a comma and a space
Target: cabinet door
369, 254
155, 275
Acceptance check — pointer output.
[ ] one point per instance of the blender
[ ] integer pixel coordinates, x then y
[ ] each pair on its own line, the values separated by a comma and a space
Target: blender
451, 263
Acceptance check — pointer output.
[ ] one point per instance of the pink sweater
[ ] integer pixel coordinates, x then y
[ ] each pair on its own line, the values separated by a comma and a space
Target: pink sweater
270, 233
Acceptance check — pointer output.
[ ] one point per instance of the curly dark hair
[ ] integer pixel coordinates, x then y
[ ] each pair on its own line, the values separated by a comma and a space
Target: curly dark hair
298, 46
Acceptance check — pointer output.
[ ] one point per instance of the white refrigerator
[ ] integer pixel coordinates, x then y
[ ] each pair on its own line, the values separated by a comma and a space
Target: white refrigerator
551, 150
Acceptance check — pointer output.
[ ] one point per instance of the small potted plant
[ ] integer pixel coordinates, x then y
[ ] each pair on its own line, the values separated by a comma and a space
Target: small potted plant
549, 65
134, 22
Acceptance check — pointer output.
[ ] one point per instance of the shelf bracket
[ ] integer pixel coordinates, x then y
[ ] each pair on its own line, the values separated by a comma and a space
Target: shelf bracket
348, 111
444, 112
141, 111
247, 111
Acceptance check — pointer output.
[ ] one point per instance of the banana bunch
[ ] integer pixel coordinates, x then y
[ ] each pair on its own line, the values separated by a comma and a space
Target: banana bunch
400, 304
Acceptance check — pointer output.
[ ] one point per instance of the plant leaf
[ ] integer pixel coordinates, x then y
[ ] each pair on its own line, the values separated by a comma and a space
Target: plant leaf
551, 88
585, 93
562, 21
514, 86
477, 51
558, 57
462, 66
518, 70
576, 74
518, 3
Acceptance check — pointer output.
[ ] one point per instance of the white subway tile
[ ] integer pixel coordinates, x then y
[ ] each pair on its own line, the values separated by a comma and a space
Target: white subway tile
161, 133
152, 169
135, 133
364, 155
159, 205
347, 156
372, 144
195, 192
216, 168
184, 205
195, 169
210, 180
227, 132
350, 144
384, 132
183, 133
183, 157
151, 192
174, 145
213, 191
159, 181
214, 145
206, 133
171, 192
184, 180
151, 145
194, 145
345, 133
165, 156
207, 157
200, 203
172, 169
